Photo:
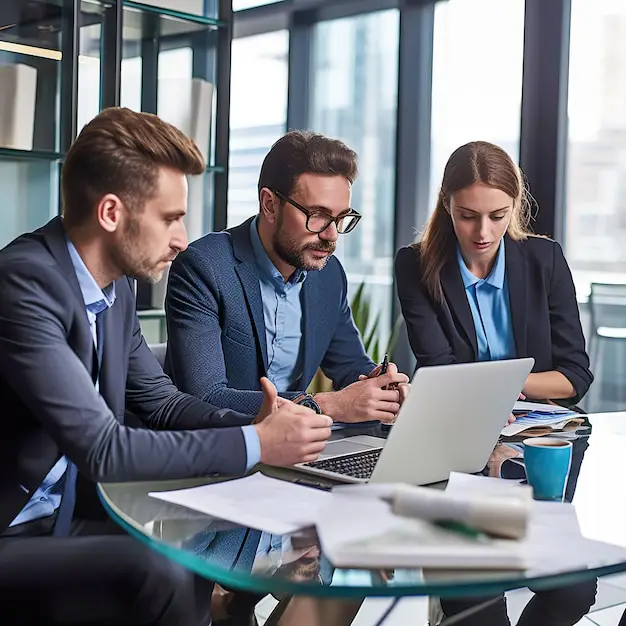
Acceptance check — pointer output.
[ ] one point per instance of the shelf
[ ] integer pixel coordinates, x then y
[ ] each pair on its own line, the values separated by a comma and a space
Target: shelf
215, 169
30, 155
165, 22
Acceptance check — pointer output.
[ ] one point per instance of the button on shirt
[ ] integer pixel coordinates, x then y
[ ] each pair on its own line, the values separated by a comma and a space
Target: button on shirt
282, 313
489, 302
46, 500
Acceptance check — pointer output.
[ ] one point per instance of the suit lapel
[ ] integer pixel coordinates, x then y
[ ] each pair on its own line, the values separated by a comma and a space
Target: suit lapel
517, 279
456, 298
311, 298
54, 235
249, 276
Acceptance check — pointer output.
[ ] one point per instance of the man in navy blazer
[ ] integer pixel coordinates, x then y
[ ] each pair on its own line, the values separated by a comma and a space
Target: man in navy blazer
267, 298
72, 358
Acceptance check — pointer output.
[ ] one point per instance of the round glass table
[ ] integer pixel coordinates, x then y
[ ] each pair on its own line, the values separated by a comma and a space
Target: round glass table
245, 558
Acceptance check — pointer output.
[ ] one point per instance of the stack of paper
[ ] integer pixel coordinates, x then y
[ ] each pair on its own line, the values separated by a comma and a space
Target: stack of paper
256, 501
534, 418
364, 532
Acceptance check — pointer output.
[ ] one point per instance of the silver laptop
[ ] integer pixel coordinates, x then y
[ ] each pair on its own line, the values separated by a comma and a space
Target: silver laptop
450, 421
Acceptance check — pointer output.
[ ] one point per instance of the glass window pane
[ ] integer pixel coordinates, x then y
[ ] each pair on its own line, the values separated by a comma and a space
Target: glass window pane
595, 213
29, 195
477, 78
255, 121
354, 99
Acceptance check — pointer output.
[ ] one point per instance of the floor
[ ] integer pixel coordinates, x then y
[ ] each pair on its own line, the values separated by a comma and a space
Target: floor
609, 606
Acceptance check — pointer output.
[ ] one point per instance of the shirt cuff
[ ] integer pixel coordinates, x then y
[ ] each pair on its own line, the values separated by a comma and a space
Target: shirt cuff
253, 446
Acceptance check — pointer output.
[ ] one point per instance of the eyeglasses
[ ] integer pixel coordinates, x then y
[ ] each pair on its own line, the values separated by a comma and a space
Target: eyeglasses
318, 221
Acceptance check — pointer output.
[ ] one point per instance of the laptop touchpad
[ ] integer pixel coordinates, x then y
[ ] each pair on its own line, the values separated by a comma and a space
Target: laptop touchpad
349, 445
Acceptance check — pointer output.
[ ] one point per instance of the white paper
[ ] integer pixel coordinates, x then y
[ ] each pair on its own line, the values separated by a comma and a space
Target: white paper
256, 501
539, 407
363, 532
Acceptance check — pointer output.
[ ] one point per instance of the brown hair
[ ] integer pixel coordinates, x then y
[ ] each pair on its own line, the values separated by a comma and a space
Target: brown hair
120, 151
475, 162
303, 152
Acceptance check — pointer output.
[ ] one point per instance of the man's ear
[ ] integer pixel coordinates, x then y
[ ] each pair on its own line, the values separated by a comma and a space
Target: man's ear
268, 205
109, 212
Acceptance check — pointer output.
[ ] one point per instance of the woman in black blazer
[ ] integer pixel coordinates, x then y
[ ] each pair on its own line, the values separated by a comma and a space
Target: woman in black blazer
482, 207
479, 285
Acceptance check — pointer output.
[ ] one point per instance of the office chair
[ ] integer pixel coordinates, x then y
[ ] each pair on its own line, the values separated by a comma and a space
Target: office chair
607, 307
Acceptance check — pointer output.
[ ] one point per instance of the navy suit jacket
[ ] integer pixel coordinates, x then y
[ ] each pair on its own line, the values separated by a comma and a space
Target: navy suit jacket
50, 407
544, 311
216, 331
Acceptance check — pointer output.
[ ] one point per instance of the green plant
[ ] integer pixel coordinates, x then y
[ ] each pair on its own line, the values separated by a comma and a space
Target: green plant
369, 328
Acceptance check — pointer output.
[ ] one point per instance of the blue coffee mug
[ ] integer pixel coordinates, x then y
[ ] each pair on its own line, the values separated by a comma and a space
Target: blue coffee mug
547, 461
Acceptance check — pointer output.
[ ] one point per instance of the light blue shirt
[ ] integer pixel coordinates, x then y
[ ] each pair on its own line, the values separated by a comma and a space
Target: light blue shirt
489, 302
47, 498
282, 313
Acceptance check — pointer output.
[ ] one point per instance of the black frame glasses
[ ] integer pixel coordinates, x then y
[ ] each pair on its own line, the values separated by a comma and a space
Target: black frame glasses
354, 216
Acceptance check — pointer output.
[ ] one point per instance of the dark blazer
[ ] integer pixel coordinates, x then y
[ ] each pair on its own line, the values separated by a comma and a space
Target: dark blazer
216, 331
49, 403
544, 311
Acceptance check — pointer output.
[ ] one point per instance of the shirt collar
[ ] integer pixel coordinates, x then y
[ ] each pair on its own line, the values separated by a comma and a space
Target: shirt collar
264, 263
95, 299
496, 276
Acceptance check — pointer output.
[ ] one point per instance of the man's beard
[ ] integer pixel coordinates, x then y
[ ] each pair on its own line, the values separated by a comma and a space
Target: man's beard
289, 251
130, 257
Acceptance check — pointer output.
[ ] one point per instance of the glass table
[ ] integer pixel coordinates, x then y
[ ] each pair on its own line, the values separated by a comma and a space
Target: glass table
245, 558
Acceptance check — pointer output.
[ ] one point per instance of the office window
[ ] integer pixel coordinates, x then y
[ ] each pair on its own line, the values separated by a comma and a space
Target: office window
477, 78
258, 114
595, 205
354, 98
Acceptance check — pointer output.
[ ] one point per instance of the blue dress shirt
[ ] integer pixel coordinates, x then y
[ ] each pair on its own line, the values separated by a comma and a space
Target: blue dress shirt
489, 302
282, 313
46, 500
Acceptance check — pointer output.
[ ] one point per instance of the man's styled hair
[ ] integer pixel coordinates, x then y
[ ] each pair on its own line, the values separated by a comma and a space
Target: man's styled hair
120, 151
303, 152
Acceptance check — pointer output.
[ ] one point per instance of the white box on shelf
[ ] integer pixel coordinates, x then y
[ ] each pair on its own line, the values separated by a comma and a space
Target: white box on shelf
18, 93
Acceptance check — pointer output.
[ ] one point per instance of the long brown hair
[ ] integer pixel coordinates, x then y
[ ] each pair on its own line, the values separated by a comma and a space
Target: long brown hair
475, 162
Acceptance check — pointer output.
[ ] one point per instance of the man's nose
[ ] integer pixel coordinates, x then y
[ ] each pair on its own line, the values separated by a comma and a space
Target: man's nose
330, 233
179, 241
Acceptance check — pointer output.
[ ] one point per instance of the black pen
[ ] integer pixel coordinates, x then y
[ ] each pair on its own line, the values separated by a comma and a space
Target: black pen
383, 367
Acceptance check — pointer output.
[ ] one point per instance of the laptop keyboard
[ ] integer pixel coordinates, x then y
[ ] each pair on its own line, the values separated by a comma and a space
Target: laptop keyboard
359, 465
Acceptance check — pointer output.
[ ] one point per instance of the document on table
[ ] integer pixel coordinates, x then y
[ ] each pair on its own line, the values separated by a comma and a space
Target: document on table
257, 501
361, 530
539, 407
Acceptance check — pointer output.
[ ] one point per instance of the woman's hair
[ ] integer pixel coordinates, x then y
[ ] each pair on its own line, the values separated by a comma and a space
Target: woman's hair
475, 162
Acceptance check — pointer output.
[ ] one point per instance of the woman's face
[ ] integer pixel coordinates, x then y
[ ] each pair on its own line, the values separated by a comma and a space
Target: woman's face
480, 216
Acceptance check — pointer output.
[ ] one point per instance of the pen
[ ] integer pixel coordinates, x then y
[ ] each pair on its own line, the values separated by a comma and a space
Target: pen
383, 367
461, 529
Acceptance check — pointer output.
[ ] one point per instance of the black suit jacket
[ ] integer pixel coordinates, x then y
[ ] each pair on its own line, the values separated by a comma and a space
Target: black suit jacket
49, 403
544, 311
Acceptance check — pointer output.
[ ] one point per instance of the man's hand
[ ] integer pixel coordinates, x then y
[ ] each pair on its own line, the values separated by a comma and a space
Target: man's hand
271, 400
291, 433
367, 399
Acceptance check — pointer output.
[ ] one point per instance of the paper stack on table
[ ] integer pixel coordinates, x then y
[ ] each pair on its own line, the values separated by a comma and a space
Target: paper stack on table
539, 419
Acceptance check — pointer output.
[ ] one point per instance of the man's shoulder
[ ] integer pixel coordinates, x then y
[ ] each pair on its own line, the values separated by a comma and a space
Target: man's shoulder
27, 253
213, 247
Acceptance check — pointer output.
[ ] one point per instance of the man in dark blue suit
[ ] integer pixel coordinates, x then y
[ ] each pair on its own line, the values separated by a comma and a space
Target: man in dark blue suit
267, 298
72, 359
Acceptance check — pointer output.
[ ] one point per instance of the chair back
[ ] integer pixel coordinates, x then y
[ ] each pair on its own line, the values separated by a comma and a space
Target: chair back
159, 350
607, 305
